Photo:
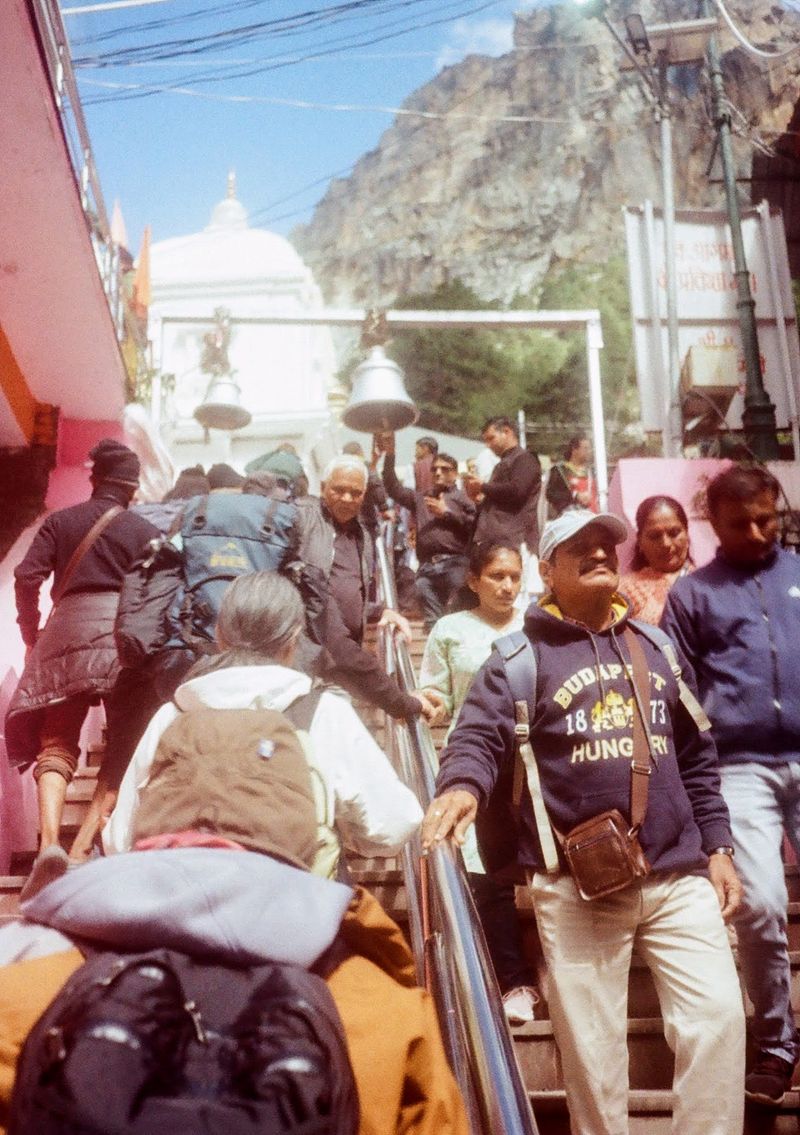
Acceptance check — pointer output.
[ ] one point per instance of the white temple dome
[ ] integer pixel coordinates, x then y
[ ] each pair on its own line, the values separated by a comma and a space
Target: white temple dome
228, 214
226, 250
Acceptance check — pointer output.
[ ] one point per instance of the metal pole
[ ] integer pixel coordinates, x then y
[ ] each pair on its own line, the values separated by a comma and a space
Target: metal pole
594, 344
758, 418
657, 96
780, 325
673, 433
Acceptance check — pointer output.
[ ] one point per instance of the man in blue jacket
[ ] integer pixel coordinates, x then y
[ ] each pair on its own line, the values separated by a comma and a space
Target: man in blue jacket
738, 621
581, 714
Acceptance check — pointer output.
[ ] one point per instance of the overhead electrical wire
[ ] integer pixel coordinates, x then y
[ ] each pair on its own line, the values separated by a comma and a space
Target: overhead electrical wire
292, 25
143, 89
305, 104
217, 11
195, 50
357, 39
110, 6
759, 52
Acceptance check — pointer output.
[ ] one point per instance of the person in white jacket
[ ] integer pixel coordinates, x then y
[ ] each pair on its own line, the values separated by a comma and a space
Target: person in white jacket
257, 630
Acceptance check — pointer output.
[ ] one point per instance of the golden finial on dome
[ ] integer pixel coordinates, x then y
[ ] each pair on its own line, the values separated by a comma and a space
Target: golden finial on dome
231, 192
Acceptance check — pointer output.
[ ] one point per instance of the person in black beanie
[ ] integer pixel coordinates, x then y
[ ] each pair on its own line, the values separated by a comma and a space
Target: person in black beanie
71, 662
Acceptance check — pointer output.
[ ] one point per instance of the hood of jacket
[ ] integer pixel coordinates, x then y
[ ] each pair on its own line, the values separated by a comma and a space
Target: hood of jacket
244, 687
239, 907
545, 615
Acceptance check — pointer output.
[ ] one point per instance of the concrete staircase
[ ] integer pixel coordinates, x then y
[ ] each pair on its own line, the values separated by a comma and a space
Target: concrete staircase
650, 1101
651, 1061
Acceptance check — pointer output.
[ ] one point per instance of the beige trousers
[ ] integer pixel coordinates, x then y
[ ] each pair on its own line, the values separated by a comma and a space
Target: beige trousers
674, 923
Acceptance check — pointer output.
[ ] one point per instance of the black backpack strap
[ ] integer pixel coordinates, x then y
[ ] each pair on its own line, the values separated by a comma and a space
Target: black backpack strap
200, 518
301, 711
267, 525
519, 660
665, 644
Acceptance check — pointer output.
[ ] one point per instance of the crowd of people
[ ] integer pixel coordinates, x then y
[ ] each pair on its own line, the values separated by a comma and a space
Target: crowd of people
652, 714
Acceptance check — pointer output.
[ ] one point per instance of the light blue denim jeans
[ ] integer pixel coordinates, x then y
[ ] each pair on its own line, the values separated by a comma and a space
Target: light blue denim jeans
764, 802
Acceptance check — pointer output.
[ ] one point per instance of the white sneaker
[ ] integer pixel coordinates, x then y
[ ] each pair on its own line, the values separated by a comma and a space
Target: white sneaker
520, 1004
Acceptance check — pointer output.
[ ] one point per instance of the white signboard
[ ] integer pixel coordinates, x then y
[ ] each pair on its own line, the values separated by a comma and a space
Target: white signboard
707, 296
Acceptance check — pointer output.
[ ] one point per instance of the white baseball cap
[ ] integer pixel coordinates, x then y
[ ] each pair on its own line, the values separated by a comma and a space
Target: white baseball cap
574, 520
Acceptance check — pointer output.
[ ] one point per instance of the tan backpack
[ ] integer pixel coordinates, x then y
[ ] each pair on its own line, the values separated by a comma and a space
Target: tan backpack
248, 775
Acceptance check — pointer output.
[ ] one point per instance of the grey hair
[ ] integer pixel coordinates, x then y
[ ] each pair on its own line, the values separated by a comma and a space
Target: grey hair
347, 461
260, 615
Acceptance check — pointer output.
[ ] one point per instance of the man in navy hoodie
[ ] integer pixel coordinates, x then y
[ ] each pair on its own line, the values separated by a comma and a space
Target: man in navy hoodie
738, 621
582, 735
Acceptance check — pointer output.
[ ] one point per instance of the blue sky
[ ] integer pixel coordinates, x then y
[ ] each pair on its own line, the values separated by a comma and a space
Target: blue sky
288, 93
166, 156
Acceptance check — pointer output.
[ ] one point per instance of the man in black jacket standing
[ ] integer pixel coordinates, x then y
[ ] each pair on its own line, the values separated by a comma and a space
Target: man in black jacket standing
71, 662
507, 501
444, 519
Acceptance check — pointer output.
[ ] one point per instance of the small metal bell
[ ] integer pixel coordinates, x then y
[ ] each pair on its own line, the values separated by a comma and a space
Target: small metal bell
379, 400
221, 409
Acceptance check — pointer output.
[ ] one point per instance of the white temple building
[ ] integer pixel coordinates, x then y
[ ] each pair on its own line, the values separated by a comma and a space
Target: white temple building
285, 374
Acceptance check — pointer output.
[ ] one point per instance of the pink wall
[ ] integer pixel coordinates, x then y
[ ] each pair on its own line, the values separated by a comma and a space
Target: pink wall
69, 481
76, 437
637, 478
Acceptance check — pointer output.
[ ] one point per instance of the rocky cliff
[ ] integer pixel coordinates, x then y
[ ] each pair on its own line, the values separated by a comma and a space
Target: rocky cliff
510, 166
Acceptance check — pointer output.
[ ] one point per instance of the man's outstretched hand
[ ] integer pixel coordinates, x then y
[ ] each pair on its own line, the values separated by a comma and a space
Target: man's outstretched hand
449, 815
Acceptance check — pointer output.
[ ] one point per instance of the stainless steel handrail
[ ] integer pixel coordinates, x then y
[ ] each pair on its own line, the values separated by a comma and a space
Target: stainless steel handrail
475, 1031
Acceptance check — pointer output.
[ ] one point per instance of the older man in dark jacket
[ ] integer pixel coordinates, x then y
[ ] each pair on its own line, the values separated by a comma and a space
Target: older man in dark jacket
72, 661
336, 545
582, 708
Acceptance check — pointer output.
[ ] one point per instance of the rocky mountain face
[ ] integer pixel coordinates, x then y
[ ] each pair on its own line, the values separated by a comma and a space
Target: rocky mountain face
510, 166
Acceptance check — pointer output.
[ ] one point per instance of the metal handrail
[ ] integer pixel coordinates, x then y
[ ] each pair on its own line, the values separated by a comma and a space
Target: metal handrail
474, 1027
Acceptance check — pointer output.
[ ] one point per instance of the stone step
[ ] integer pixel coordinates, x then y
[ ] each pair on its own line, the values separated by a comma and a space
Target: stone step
10, 886
384, 879
651, 1114
650, 1070
651, 1062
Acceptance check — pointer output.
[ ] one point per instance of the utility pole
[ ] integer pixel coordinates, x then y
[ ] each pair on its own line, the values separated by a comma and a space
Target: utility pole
758, 418
673, 434
639, 50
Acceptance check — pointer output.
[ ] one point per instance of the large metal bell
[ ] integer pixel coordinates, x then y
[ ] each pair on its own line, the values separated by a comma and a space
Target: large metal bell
222, 409
379, 400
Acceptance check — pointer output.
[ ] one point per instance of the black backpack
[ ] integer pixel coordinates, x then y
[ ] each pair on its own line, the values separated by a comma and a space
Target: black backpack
160, 1044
